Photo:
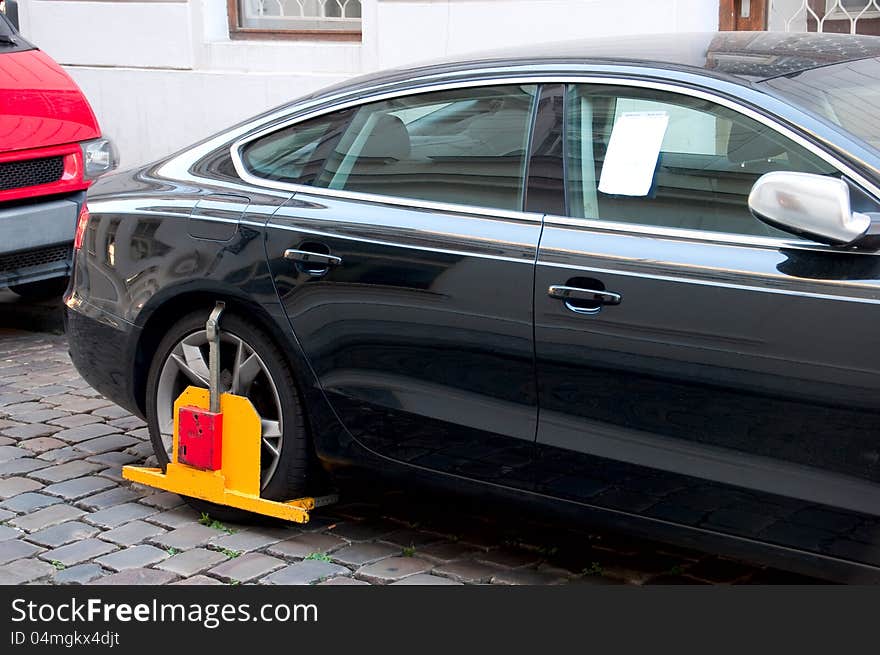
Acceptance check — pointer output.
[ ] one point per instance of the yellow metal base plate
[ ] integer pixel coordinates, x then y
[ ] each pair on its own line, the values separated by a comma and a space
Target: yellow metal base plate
209, 485
237, 483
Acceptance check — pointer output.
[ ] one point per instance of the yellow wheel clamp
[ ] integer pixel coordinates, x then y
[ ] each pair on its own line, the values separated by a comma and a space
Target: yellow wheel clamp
204, 464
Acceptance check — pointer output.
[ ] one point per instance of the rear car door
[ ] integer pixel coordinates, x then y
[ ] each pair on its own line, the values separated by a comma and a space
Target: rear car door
696, 366
405, 263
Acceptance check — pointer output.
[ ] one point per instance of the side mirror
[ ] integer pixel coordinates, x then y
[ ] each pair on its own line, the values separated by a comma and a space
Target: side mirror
12, 13
814, 206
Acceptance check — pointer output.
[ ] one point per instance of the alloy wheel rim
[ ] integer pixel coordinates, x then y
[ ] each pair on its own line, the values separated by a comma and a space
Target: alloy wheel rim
242, 372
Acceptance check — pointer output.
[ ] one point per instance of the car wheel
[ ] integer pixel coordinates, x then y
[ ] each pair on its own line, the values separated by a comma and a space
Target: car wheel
250, 365
42, 290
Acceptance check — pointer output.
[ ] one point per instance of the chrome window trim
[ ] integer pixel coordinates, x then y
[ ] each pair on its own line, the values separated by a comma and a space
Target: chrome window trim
688, 234
318, 233
414, 203
572, 78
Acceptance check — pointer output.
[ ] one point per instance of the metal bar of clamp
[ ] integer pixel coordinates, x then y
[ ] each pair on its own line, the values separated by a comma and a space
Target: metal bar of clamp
212, 327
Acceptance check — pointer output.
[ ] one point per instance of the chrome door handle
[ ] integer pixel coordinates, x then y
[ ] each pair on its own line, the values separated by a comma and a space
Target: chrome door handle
309, 257
576, 293
598, 296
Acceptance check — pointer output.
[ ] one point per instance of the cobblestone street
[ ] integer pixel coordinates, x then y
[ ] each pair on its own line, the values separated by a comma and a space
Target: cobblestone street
67, 516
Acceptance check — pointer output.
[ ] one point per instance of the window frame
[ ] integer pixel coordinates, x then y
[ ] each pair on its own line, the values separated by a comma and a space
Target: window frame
237, 32
866, 10
597, 78
249, 177
837, 21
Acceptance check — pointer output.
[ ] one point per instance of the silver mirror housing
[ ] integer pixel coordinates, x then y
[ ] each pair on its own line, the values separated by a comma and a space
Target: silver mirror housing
815, 206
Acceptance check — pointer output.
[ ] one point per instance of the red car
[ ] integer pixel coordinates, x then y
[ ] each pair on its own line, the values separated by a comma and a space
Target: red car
51, 149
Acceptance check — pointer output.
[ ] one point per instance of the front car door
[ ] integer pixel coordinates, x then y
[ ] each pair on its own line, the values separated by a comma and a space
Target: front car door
696, 366
405, 262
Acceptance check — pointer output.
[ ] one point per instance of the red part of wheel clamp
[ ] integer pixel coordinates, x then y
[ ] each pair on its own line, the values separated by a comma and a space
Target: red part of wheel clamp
200, 434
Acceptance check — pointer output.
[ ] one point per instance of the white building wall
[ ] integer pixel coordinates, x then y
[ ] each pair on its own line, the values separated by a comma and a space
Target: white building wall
146, 35
161, 75
410, 31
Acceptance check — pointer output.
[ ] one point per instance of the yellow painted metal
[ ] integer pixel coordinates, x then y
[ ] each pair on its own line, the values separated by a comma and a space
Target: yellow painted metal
237, 483
240, 461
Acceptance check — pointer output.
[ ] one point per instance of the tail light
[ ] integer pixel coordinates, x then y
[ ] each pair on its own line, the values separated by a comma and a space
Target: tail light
81, 224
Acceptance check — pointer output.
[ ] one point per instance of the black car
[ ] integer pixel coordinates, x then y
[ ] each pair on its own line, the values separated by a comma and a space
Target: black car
630, 279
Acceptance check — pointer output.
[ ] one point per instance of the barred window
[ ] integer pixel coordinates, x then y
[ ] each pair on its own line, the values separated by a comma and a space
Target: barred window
330, 19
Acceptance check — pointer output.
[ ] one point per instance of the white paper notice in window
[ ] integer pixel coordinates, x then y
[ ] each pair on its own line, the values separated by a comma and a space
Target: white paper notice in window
633, 152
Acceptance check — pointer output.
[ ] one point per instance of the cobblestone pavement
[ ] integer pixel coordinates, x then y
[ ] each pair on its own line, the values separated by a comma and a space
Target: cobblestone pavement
67, 516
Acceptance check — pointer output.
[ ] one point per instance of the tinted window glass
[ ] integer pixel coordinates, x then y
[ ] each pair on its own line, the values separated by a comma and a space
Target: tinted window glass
847, 94
296, 154
218, 165
6, 28
545, 186
658, 158
466, 146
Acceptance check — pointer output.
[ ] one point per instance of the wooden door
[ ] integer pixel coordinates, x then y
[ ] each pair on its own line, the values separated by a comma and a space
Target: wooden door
742, 15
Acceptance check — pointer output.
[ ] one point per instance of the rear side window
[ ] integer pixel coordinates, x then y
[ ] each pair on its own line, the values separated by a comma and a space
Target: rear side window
659, 158
296, 154
465, 146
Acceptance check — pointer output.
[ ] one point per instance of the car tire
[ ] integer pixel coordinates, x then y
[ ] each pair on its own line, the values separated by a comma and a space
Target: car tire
289, 477
42, 290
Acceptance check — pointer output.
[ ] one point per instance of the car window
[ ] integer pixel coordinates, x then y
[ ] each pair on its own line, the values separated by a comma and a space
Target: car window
659, 158
6, 28
847, 94
464, 146
296, 154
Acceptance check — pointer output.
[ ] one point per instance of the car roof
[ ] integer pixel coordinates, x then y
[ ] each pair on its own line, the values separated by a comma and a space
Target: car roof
753, 56
741, 57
